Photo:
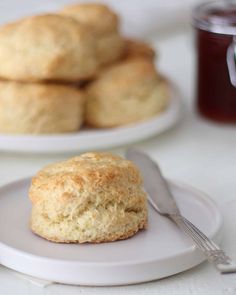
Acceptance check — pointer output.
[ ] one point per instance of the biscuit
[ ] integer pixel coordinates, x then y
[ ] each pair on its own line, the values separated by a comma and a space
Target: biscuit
137, 48
94, 197
46, 47
125, 92
30, 108
103, 24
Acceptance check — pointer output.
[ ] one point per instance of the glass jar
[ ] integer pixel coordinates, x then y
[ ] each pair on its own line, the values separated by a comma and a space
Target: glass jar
215, 24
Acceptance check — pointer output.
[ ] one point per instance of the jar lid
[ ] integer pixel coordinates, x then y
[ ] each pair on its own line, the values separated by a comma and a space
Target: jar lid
218, 17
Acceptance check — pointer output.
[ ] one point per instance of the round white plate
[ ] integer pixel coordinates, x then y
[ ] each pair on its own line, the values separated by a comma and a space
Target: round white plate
88, 139
161, 250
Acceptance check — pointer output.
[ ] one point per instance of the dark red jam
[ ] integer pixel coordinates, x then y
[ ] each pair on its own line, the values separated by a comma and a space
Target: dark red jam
216, 95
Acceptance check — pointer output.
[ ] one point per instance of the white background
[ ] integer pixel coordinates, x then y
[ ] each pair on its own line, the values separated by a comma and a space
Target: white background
196, 151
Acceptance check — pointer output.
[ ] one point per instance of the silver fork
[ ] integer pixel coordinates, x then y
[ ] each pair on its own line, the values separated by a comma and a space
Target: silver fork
162, 201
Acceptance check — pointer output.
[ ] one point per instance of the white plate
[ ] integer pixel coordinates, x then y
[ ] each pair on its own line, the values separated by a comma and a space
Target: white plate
160, 251
88, 139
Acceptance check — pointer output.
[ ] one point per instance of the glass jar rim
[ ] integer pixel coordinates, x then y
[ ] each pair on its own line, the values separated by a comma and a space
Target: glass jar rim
214, 24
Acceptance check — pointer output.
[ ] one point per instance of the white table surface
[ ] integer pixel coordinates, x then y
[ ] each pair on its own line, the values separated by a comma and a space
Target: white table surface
196, 151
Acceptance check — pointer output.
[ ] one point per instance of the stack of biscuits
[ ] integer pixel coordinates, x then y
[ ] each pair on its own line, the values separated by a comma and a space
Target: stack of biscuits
62, 70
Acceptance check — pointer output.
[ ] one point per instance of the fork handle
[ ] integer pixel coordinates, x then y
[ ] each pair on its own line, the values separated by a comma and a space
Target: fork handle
212, 252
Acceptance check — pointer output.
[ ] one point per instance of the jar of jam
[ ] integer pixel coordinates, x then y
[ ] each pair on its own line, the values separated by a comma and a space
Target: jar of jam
215, 24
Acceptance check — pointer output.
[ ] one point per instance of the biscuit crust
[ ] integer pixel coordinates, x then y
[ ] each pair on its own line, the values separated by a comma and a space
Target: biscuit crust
32, 108
47, 47
126, 92
103, 24
95, 197
99, 17
137, 48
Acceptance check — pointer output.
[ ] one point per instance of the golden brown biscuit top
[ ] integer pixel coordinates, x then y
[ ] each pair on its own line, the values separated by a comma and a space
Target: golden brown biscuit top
124, 75
137, 48
99, 17
91, 172
42, 29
